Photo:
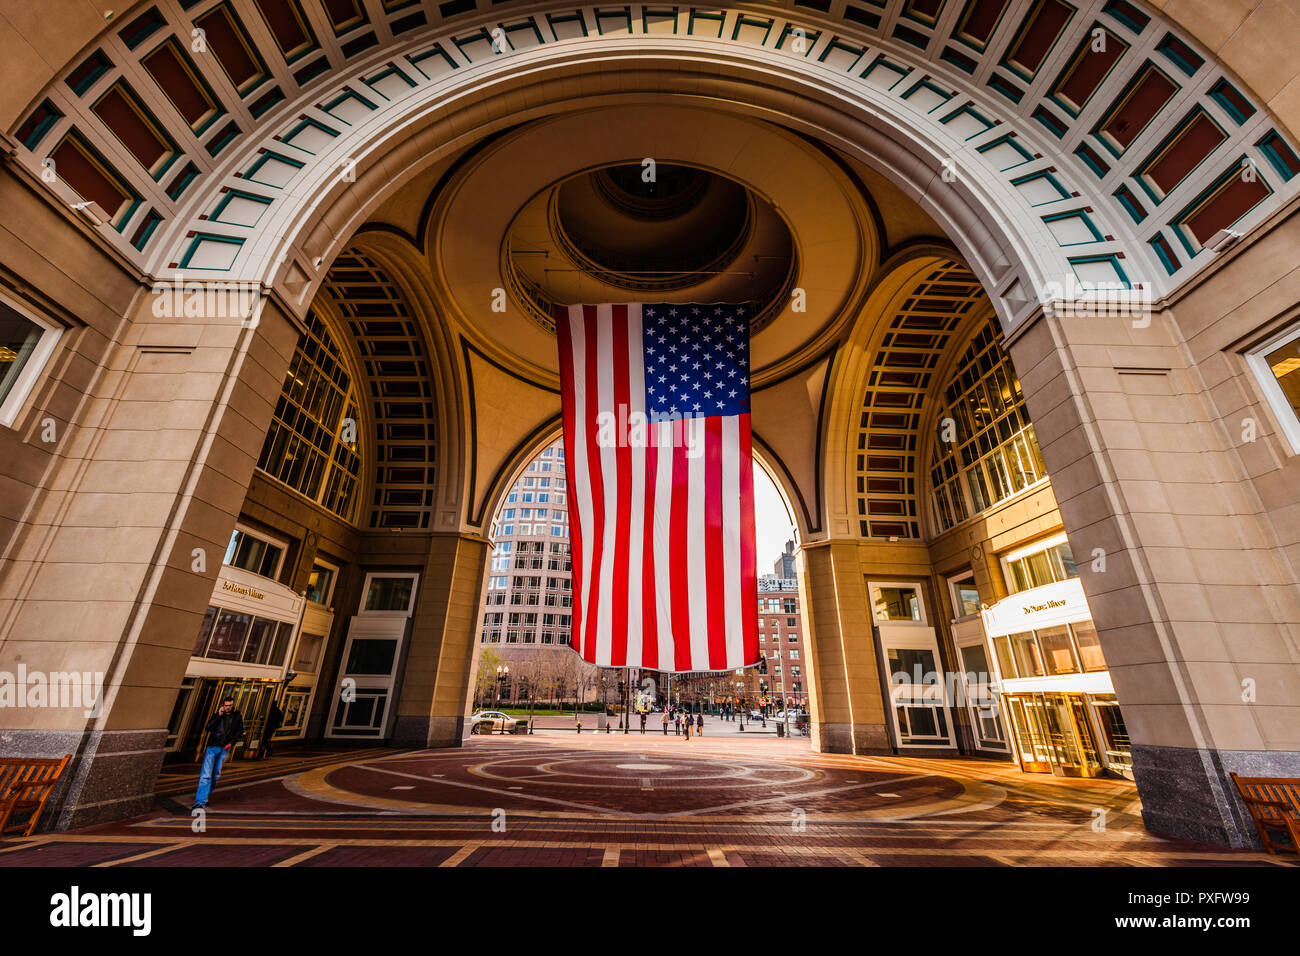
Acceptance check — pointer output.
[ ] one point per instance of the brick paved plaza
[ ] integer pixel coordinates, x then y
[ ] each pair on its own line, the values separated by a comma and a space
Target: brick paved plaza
615, 800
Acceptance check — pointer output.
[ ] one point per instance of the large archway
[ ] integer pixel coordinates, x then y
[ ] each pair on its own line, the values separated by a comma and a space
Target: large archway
956, 161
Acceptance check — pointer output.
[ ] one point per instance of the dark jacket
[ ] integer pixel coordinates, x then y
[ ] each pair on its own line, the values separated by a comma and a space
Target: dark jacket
274, 718
225, 729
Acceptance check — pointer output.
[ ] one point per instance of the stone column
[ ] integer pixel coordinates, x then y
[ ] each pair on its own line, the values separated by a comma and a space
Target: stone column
118, 558
431, 706
1196, 613
848, 707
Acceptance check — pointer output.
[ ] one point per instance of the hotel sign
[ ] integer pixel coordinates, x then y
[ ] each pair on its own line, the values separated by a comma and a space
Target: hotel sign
240, 589
1045, 606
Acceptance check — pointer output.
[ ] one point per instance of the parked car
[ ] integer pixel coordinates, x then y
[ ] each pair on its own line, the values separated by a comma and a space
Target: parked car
794, 715
492, 722
757, 715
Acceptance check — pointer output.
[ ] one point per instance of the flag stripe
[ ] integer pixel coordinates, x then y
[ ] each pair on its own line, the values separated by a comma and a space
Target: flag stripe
748, 574
679, 547
620, 566
576, 469
695, 551
731, 578
663, 582
609, 485
649, 602
713, 494
637, 473
594, 493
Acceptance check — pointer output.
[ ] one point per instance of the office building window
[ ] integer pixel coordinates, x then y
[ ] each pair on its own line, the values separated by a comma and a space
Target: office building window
320, 585
1277, 367
985, 449
1043, 563
26, 343
251, 552
312, 445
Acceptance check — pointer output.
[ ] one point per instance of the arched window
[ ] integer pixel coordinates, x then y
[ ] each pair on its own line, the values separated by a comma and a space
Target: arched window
312, 445
985, 450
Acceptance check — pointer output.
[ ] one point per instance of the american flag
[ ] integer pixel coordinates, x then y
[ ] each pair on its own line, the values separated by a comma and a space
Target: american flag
661, 484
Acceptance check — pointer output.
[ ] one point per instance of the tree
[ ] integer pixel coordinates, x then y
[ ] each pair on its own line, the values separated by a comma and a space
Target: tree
485, 679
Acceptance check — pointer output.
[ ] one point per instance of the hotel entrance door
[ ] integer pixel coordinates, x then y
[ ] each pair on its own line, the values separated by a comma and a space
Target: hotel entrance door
1053, 734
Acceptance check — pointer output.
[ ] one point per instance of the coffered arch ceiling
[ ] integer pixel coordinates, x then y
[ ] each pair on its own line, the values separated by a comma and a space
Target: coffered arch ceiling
924, 304
237, 162
400, 384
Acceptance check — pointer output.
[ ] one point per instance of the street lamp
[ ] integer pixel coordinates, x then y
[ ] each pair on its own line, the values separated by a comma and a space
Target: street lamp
503, 674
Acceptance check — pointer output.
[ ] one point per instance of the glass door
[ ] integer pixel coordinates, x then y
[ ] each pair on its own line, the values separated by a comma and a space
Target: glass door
204, 706
1053, 734
1031, 734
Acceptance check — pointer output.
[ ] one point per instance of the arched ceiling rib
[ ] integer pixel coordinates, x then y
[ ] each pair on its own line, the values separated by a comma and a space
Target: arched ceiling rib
400, 385
917, 326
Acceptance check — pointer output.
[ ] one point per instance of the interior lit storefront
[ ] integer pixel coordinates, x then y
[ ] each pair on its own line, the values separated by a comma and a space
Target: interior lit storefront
1053, 688
243, 647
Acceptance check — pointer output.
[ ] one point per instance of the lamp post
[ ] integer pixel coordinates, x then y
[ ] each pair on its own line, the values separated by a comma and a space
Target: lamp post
604, 704
503, 674
627, 698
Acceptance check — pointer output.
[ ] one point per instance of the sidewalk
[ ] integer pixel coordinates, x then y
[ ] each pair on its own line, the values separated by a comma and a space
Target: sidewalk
713, 727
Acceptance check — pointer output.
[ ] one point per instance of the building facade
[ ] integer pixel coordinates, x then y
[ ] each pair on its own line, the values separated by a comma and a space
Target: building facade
528, 608
781, 644
1019, 269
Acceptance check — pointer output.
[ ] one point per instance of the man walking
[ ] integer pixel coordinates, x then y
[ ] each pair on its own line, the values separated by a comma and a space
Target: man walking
643, 722
223, 730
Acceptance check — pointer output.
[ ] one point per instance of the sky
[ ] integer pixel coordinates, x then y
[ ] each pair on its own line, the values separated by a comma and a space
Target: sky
772, 523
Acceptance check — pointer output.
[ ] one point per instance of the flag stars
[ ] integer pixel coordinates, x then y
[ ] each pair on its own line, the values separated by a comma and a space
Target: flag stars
691, 357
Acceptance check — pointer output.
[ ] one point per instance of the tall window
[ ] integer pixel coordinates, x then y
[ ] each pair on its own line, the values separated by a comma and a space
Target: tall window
1043, 563
320, 585
25, 345
1277, 366
312, 445
254, 553
985, 450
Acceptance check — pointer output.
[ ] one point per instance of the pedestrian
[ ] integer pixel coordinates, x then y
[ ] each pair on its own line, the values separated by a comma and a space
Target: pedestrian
699, 725
274, 718
665, 723
677, 724
224, 729
686, 726
643, 722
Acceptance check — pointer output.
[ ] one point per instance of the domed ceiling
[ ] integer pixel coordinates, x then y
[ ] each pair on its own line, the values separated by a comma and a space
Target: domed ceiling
657, 202
646, 232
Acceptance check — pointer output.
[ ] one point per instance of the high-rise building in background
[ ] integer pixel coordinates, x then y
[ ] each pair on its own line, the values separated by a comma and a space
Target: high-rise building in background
784, 567
528, 608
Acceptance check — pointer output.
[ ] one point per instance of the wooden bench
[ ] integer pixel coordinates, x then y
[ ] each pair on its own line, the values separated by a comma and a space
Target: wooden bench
1274, 803
25, 784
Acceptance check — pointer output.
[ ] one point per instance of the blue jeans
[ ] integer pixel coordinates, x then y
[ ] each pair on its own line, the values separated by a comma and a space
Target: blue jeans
213, 758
